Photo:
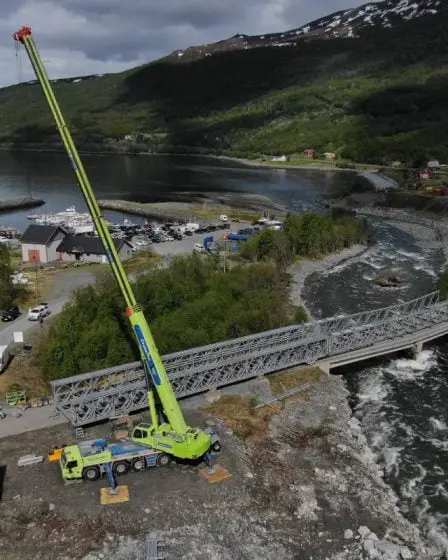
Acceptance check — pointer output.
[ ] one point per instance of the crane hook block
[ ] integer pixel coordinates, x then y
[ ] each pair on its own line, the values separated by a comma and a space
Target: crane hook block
24, 32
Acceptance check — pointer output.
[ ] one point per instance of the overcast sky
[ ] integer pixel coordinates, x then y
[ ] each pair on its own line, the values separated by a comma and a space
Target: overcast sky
78, 37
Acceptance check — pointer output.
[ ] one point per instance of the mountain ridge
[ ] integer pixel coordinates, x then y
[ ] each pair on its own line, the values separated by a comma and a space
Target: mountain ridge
343, 24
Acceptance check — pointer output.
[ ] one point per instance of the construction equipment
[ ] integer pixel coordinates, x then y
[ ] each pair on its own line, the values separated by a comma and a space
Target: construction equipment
89, 460
13, 398
173, 436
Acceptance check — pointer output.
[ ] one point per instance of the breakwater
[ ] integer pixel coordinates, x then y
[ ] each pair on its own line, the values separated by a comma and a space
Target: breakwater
144, 210
19, 203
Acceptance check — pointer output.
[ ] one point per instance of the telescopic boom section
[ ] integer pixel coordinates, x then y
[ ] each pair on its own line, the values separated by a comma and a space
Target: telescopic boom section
148, 349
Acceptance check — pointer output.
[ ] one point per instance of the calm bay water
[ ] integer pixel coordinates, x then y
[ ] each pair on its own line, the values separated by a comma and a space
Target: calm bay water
153, 179
400, 403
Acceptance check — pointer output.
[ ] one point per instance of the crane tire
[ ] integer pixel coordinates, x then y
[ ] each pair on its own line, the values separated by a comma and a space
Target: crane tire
138, 464
91, 474
163, 460
120, 467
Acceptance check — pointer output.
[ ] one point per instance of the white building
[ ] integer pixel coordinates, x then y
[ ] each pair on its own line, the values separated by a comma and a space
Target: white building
90, 249
39, 243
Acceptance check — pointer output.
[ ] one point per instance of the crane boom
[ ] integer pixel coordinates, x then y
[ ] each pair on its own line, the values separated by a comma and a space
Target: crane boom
189, 441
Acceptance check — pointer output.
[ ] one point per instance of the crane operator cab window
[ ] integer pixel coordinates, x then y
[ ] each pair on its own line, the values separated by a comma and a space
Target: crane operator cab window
140, 434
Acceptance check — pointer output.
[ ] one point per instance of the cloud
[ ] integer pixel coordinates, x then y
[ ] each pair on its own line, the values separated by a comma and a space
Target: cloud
98, 36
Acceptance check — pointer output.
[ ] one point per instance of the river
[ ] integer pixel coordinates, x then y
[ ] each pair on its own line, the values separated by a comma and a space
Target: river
399, 402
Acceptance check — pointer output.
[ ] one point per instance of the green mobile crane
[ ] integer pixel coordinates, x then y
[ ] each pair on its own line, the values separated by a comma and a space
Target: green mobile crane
174, 437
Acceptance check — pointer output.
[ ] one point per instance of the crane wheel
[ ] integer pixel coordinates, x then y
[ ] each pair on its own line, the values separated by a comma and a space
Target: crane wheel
138, 464
91, 474
120, 467
163, 460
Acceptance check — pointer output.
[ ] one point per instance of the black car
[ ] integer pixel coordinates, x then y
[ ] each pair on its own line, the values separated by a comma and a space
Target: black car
11, 313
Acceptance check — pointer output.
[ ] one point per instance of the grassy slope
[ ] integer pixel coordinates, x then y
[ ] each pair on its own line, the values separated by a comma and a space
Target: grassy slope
380, 98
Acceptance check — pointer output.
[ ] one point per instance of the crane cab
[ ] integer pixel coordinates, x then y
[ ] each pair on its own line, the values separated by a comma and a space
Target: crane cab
190, 445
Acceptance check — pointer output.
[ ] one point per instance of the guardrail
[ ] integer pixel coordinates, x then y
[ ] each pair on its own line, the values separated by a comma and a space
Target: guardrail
99, 395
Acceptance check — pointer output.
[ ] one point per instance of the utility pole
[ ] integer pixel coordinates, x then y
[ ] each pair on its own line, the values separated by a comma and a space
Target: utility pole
36, 276
225, 250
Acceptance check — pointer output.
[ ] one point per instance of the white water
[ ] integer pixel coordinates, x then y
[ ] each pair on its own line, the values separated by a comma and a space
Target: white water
394, 437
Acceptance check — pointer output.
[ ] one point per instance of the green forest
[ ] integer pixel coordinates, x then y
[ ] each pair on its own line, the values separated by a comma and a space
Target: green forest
193, 302
375, 99
308, 235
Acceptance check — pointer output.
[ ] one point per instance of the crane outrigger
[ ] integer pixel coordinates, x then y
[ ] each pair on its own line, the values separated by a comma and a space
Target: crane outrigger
174, 437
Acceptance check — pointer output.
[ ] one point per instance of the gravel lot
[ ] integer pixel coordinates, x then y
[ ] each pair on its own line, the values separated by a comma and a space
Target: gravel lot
185, 246
310, 490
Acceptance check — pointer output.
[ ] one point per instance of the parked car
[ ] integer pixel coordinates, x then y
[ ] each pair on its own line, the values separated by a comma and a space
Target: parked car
38, 312
198, 248
188, 232
11, 313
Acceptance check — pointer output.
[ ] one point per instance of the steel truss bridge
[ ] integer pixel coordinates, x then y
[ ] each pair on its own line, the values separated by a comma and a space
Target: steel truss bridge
100, 395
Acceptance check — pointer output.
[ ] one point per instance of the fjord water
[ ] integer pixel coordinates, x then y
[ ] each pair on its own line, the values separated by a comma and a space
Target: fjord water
49, 176
399, 402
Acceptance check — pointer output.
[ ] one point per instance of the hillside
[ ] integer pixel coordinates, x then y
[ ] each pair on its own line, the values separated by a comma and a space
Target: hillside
379, 96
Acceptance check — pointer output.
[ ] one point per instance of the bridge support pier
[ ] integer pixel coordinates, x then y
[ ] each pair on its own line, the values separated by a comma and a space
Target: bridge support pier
325, 367
416, 349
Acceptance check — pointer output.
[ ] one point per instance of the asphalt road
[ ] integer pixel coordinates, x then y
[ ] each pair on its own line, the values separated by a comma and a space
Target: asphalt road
22, 324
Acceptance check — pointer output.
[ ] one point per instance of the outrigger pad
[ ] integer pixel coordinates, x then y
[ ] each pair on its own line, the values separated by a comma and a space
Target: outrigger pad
121, 495
219, 473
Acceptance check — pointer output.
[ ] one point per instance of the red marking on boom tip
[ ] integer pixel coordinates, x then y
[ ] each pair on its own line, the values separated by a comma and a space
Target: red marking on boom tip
128, 312
24, 32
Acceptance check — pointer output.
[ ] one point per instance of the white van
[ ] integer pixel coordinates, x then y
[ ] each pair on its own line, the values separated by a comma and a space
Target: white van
224, 218
198, 248
4, 358
192, 226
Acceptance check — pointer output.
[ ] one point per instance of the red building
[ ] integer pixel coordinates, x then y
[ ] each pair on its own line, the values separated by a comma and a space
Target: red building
426, 174
310, 153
